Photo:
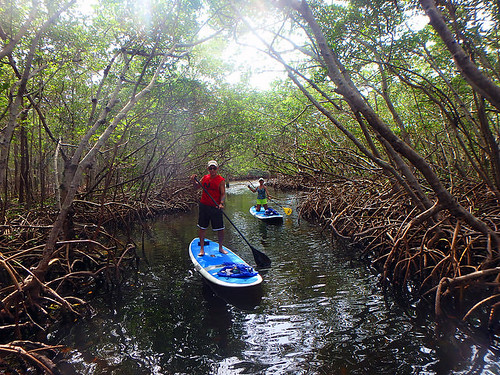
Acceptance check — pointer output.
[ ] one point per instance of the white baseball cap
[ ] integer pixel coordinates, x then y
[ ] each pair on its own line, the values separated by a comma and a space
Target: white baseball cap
213, 162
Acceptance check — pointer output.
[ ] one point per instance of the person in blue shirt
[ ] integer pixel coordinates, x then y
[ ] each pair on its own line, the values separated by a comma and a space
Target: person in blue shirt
262, 194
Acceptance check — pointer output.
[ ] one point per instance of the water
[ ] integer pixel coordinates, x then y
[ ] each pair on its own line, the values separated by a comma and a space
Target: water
317, 312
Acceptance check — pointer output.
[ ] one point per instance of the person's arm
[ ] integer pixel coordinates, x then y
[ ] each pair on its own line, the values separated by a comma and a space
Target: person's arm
251, 189
222, 189
267, 193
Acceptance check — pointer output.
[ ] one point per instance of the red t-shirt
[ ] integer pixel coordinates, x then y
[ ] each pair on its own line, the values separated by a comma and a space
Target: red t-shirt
212, 186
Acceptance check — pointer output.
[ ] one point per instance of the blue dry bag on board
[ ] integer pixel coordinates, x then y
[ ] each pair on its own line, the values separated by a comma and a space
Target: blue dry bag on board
270, 211
236, 270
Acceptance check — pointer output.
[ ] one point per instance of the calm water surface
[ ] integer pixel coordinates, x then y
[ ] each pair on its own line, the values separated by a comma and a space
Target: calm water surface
317, 312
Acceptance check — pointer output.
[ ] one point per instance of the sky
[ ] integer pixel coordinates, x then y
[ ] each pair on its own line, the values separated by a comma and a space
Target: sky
264, 69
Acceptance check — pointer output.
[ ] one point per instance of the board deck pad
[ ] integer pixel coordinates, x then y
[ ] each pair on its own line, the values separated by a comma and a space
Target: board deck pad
263, 216
213, 261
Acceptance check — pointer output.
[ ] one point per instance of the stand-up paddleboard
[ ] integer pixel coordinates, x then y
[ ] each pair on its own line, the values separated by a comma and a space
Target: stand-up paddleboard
227, 270
267, 216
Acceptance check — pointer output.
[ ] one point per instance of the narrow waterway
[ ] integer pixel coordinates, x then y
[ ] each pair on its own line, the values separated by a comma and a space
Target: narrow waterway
317, 312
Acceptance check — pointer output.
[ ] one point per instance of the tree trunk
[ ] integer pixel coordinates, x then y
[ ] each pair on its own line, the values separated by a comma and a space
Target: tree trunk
348, 90
478, 81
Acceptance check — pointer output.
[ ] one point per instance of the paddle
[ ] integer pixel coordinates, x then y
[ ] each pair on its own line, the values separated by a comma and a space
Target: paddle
261, 259
287, 210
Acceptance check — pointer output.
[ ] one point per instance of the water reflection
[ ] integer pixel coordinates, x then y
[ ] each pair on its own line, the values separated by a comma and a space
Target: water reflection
242, 298
316, 312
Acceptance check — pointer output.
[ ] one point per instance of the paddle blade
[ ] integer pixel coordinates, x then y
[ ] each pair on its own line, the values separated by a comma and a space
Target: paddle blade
261, 259
287, 210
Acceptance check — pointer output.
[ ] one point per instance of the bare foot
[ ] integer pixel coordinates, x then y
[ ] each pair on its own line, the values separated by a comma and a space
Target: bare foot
222, 251
202, 252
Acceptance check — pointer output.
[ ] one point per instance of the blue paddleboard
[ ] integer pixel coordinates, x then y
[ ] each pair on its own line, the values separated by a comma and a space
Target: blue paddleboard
262, 215
222, 269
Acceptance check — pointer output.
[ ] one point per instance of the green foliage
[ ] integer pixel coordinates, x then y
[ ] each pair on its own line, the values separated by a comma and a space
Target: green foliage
193, 114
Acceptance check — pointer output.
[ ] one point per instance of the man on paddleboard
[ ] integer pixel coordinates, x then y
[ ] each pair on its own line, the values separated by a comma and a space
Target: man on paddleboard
210, 212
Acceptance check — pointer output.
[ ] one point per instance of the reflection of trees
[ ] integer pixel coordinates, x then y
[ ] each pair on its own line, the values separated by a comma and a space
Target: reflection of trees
218, 318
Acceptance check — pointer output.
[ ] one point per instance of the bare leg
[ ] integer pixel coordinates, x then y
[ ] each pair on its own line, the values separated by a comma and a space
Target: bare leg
258, 207
201, 235
220, 236
265, 206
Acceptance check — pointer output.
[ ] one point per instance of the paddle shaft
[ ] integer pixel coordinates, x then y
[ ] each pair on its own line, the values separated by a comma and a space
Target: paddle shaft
287, 210
263, 258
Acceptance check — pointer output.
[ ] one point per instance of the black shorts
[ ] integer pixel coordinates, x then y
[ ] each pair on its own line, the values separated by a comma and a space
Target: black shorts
210, 214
